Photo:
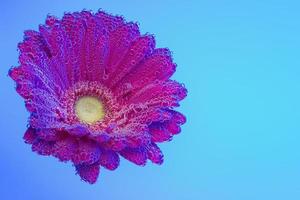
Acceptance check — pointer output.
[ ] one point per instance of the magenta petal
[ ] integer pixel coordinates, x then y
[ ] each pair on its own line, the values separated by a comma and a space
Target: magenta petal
109, 159
110, 22
96, 49
135, 155
88, 173
74, 29
134, 141
173, 128
42, 147
16, 73
24, 89
120, 40
78, 130
163, 94
33, 49
51, 20
115, 144
154, 154
102, 138
178, 117
141, 47
48, 134
87, 153
30, 135
64, 149
173, 125
159, 132
158, 66
94, 46
160, 115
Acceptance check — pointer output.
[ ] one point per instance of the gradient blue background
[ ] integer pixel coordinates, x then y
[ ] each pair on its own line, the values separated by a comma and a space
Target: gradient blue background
240, 63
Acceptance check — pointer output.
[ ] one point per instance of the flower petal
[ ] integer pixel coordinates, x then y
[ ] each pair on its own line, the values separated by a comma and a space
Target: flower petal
162, 94
42, 147
55, 39
65, 148
88, 173
73, 26
30, 135
115, 143
178, 117
135, 155
48, 134
109, 159
110, 22
141, 47
89, 45
173, 125
158, 66
78, 130
120, 41
154, 154
87, 153
159, 133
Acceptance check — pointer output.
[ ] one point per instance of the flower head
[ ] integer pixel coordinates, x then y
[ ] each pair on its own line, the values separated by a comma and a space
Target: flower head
97, 89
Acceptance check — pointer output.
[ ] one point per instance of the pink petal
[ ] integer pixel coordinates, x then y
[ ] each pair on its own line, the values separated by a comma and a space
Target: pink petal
178, 117
30, 81
42, 147
33, 49
78, 130
163, 130
88, 173
135, 155
64, 149
159, 133
134, 141
158, 66
55, 38
160, 115
45, 120
110, 22
163, 94
109, 159
25, 90
86, 56
115, 144
173, 128
173, 125
154, 154
141, 47
30, 135
120, 40
48, 134
87, 153
73, 26
16, 73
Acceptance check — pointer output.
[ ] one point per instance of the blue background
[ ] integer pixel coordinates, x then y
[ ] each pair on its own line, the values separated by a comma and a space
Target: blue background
240, 63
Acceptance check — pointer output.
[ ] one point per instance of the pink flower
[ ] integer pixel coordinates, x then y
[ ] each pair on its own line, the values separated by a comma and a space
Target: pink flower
97, 89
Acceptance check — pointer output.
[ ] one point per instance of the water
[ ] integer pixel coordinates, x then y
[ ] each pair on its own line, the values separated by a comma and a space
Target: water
240, 63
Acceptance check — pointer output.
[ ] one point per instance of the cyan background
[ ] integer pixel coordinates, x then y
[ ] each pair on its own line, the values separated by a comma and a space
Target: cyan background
240, 63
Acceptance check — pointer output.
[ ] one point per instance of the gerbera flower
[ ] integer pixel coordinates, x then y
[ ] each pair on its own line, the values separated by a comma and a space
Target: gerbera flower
97, 89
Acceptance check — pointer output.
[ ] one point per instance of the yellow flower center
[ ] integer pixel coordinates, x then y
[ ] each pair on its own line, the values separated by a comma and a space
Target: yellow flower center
89, 109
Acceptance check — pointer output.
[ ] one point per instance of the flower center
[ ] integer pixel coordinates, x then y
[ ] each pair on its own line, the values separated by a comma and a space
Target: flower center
89, 109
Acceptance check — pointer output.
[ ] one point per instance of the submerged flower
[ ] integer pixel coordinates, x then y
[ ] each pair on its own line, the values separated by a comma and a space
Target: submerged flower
97, 89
